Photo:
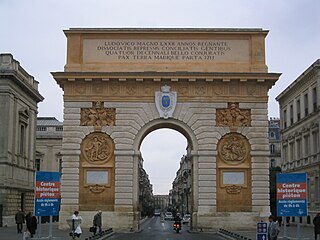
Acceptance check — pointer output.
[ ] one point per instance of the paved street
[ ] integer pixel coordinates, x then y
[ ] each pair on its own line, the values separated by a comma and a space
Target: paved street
154, 229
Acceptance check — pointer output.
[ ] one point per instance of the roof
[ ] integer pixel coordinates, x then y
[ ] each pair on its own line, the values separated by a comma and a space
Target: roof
48, 121
316, 64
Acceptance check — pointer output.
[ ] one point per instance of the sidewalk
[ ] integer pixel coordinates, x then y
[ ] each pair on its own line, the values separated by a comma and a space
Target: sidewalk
305, 233
10, 233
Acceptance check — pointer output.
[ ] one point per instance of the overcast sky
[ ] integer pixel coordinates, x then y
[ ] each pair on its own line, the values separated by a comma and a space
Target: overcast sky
31, 30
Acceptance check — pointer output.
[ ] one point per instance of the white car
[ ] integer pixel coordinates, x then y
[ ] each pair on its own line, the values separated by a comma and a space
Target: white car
168, 216
186, 218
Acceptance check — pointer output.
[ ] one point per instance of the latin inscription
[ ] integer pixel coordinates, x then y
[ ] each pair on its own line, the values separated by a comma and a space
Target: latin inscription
155, 50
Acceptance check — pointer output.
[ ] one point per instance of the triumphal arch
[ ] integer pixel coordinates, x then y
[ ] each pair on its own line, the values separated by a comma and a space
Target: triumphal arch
211, 85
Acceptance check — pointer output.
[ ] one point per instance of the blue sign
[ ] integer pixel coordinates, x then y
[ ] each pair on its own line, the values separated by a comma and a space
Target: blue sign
47, 194
262, 230
262, 236
292, 194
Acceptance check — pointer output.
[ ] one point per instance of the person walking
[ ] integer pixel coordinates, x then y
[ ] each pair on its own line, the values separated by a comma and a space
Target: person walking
97, 222
77, 230
316, 223
32, 223
19, 217
273, 228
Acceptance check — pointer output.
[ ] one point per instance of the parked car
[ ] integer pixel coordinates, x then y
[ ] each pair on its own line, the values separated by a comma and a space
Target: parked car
186, 218
168, 216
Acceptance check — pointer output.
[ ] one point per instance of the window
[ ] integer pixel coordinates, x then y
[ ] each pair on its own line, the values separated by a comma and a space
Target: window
306, 109
314, 99
22, 140
291, 114
306, 145
299, 149
298, 110
272, 135
285, 118
41, 129
272, 148
285, 153
317, 190
292, 156
59, 129
315, 140
37, 164
272, 163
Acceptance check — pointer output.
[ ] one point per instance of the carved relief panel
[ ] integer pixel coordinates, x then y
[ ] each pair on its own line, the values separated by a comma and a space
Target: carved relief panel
233, 116
97, 173
233, 174
98, 115
97, 148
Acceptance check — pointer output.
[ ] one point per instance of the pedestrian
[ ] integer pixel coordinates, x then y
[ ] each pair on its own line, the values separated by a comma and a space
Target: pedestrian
279, 221
316, 223
76, 229
19, 217
32, 223
273, 228
97, 222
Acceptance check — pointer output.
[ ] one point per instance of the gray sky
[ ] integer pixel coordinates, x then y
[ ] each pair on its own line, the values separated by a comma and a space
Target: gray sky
32, 31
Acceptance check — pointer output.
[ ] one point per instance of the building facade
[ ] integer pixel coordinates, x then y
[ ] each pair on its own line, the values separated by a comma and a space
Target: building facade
300, 118
146, 198
161, 202
19, 97
49, 144
274, 142
181, 187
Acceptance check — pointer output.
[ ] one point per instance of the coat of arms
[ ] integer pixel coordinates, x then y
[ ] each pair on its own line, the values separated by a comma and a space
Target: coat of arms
166, 101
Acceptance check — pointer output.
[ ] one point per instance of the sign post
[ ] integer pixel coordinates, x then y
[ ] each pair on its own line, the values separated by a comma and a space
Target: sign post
292, 196
47, 196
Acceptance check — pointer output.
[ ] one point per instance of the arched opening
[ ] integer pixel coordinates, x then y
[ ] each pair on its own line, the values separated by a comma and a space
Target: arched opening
162, 151
165, 157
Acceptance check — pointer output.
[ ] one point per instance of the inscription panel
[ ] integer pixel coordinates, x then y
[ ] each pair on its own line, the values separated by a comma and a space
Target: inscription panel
164, 51
97, 177
233, 178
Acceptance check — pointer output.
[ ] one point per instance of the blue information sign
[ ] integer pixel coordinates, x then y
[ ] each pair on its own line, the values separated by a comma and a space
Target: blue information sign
292, 194
47, 194
262, 230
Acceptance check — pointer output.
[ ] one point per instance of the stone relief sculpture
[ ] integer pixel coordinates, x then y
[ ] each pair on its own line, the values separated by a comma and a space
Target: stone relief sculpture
233, 148
97, 188
97, 148
98, 115
233, 189
233, 116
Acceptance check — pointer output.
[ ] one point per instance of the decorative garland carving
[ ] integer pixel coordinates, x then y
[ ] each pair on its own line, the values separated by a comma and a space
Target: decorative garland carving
97, 148
233, 148
233, 189
233, 116
97, 188
98, 115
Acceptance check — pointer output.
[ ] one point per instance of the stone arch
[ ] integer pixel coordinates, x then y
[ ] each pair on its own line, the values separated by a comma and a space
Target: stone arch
174, 124
210, 97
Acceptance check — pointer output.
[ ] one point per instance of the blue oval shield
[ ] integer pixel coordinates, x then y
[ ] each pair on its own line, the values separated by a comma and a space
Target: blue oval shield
165, 101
